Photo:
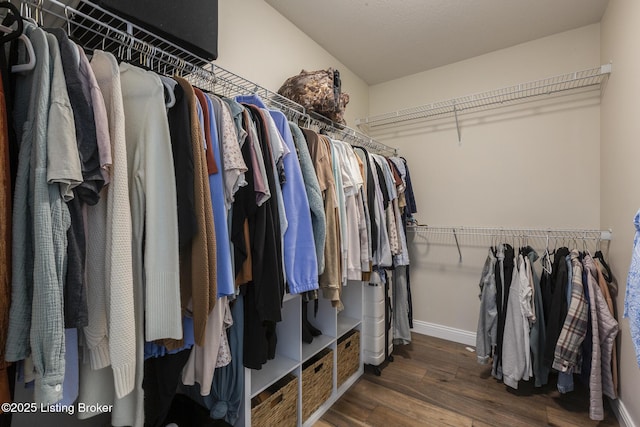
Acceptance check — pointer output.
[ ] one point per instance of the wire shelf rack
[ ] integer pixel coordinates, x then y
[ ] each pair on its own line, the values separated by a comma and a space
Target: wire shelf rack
591, 79
94, 27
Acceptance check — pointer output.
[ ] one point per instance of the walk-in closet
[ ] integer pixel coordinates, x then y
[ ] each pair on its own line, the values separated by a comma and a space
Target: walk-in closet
285, 213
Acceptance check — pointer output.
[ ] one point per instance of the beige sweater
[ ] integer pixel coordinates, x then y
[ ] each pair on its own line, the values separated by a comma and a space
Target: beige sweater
331, 278
113, 342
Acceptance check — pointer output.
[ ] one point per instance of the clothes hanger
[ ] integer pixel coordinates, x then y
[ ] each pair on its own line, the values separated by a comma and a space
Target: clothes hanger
170, 96
546, 259
585, 247
17, 34
168, 82
606, 269
12, 17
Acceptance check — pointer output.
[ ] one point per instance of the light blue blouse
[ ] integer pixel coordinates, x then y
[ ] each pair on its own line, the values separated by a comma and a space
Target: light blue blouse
632, 295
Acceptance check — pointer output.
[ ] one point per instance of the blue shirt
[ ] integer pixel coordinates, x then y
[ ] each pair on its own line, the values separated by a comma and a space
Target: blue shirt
226, 282
71, 368
300, 259
151, 349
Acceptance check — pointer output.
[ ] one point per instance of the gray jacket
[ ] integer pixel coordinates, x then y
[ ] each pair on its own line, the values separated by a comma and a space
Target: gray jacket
516, 353
538, 337
488, 319
314, 194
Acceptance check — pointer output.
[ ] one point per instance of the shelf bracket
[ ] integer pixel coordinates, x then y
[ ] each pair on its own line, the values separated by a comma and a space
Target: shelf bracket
455, 236
455, 113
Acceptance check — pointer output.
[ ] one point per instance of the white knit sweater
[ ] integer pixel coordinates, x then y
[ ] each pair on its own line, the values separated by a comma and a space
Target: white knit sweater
154, 224
115, 343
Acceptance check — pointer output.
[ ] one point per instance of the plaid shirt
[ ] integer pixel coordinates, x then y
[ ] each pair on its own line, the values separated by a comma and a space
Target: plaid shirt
574, 330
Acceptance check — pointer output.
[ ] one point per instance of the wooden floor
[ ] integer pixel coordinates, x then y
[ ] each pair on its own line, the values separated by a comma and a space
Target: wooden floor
433, 382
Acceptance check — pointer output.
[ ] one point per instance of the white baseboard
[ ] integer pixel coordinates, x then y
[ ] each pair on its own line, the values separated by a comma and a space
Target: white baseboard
445, 332
623, 416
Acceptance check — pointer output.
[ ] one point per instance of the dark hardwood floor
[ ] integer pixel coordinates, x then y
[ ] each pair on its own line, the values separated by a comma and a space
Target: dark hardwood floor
433, 382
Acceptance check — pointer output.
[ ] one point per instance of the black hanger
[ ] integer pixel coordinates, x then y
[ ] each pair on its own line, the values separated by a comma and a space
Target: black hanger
608, 276
10, 19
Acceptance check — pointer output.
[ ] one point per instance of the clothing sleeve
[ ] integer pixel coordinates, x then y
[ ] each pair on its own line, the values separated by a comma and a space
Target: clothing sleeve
632, 292
118, 286
47, 320
96, 331
487, 320
162, 290
513, 360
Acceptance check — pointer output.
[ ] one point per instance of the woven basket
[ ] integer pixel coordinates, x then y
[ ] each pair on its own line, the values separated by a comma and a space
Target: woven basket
348, 355
280, 408
317, 382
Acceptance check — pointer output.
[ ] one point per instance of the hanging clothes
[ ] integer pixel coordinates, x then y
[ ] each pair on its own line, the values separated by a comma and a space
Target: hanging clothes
183, 159
314, 194
135, 195
95, 229
224, 271
233, 166
559, 306
118, 281
538, 338
198, 268
36, 322
609, 357
516, 353
263, 296
331, 278
575, 326
5, 244
226, 395
486, 335
152, 191
632, 293
301, 264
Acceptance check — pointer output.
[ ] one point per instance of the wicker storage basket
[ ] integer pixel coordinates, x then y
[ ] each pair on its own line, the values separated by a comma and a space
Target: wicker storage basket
317, 382
280, 408
348, 355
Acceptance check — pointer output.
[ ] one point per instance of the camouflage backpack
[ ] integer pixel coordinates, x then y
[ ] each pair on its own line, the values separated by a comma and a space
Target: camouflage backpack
318, 91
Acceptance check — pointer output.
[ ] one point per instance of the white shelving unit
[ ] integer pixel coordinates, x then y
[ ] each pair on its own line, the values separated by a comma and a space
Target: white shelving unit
291, 352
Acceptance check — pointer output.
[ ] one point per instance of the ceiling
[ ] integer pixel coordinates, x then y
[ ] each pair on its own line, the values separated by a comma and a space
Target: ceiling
381, 40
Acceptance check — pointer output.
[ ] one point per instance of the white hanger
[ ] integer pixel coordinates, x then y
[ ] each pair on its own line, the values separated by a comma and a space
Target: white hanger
19, 68
170, 91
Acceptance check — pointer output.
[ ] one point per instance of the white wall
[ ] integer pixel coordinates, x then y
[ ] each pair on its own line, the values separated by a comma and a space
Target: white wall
619, 153
534, 165
259, 44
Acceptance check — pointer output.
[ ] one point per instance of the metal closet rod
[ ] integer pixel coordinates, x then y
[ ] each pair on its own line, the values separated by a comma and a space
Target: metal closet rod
101, 29
579, 234
348, 134
514, 233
